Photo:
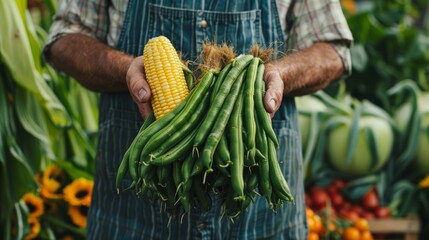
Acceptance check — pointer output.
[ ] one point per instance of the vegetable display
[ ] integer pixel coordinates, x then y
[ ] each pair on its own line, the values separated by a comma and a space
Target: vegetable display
356, 138
209, 143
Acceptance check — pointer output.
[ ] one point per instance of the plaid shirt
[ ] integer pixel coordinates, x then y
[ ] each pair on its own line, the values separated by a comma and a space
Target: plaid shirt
308, 22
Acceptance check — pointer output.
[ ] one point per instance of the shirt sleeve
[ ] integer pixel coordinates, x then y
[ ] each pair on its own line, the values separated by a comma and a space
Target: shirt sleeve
320, 21
89, 17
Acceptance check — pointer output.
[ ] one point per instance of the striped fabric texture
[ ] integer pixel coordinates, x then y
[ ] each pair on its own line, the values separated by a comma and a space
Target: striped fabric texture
309, 21
127, 25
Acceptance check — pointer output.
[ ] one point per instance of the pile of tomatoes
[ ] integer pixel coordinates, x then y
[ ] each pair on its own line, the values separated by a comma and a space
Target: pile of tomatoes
331, 215
368, 207
323, 228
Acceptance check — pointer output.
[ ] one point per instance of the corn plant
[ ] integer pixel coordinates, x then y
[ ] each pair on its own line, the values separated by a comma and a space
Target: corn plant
45, 116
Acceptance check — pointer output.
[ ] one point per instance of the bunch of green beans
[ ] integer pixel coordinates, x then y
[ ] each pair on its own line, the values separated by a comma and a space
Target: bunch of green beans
219, 142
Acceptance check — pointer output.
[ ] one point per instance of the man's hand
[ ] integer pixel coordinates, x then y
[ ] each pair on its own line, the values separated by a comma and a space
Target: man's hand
274, 88
301, 73
138, 86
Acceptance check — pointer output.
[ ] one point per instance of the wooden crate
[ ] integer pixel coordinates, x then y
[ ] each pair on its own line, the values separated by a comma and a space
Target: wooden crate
395, 229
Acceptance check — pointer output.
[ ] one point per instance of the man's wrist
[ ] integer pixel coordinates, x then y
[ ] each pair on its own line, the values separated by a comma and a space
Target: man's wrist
94, 64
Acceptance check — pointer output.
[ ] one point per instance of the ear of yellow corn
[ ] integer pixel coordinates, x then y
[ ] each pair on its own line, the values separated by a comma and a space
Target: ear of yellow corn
164, 74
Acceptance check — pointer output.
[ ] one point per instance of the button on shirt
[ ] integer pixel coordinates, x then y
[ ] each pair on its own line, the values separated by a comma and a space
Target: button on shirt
203, 24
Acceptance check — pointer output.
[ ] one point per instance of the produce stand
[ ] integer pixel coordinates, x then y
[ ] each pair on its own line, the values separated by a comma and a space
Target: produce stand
395, 229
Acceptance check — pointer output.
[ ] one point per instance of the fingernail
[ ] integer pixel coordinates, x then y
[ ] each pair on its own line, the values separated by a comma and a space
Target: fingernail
272, 103
141, 94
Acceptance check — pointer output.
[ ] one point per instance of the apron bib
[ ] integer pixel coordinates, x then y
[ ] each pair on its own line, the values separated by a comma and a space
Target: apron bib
237, 23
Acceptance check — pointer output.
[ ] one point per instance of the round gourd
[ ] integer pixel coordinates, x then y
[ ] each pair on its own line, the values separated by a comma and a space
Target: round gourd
362, 162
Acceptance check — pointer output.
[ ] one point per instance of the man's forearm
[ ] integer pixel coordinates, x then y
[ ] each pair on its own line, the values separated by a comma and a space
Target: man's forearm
91, 62
311, 69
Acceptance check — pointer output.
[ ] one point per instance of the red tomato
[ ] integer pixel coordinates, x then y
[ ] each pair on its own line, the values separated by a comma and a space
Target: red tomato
346, 205
331, 189
337, 200
318, 198
351, 215
338, 184
368, 215
358, 209
370, 199
382, 212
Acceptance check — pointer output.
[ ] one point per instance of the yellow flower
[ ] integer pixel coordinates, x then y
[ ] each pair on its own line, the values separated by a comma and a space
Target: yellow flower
79, 192
34, 228
78, 215
424, 183
51, 182
349, 5
34, 204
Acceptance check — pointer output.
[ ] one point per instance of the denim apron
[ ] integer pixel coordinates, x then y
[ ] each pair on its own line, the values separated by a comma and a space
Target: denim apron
188, 25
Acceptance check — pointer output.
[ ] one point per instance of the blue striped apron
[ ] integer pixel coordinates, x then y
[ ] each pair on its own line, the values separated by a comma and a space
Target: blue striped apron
188, 25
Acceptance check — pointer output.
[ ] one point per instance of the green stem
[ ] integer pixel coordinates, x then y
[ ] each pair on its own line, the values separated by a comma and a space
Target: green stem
60, 223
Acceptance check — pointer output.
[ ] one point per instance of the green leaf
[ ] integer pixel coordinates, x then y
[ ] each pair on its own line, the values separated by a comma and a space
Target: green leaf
17, 176
359, 57
370, 138
410, 140
418, 50
355, 189
312, 140
366, 28
368, 108
336, 106
22, 226
32, 116
21, 172
16, 52
52, 5
353, 135
73, 171
60, 223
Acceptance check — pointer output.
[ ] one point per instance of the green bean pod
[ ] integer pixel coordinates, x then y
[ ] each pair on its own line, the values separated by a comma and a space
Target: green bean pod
134, 149
237, 149
195, 96
263, 165
186, 167
143, 136
189, 76
262, 114
278, 182
219, 80
181, 133
122, 170
221, 121
163, 173
144, 170
217, 106
177, 152
223, 152
249, 122
219, 163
